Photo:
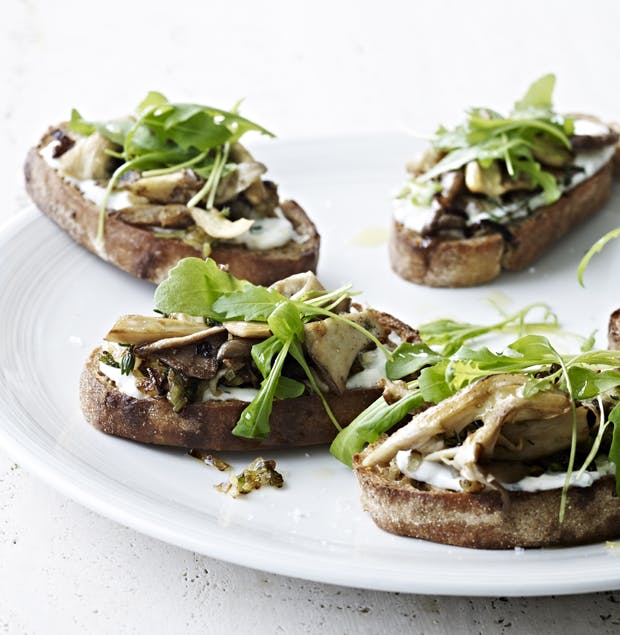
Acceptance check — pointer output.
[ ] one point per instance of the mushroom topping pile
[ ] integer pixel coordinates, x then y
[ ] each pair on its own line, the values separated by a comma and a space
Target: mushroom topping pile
478, 198
161, 201
185, 360
489, 431
171, 154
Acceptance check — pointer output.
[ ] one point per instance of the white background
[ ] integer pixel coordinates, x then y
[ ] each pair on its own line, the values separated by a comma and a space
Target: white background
306, 69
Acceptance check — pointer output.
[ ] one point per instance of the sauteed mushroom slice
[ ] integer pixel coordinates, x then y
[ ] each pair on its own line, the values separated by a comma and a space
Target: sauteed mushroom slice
536, 438
245, 174
333, 345
141, 329
256, 330
591, 133
177, 342
237, 348
88, 158
197, 359
177, 187
493, 400
491, 181
298, 285
166, 216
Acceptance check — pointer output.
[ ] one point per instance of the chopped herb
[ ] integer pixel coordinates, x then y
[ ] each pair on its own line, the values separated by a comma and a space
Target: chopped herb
259, 473
179, 390
128, 361
108, 359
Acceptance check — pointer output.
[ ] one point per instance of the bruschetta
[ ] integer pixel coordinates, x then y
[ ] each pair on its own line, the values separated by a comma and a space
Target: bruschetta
169, 182
495, 193
229, 365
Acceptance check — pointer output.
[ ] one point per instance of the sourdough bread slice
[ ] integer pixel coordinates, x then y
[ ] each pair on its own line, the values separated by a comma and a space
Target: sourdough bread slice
486, 520
144, 255
294, 422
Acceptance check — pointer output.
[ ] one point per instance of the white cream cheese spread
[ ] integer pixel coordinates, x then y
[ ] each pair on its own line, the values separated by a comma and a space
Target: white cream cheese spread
445, 477
268, 233
127, 385
124, 383
227, 392
373, 370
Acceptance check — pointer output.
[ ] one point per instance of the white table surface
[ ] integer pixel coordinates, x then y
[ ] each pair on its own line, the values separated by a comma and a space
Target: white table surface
306, 69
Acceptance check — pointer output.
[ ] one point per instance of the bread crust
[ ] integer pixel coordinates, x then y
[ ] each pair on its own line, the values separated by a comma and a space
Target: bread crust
139, 252
298, 422
472, 261
485, 521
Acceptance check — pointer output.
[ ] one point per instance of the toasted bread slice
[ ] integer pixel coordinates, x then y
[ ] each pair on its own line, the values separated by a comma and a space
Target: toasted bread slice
208, 425
486, 520
141, 252
149, 417
446, 262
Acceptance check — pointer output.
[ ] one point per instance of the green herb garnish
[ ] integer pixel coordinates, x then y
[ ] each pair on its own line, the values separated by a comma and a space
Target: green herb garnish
533, 129
163, 137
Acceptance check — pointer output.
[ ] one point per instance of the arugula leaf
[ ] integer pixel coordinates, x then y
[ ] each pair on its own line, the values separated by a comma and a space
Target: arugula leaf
193, 286
289, 388
433, 384
587, 383
452, 335
535, 347
251, 303
263, 352
153, 98
199, 132
468, 364
546, 180
370, 424
254, 420
614, 451
285, 322
115, 130
539, 95
409, 357
602, 357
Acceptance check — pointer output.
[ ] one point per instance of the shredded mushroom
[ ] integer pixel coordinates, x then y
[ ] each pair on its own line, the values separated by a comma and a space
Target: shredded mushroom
513, 426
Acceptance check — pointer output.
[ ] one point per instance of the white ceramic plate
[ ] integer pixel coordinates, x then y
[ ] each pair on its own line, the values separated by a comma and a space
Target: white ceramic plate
56, 301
